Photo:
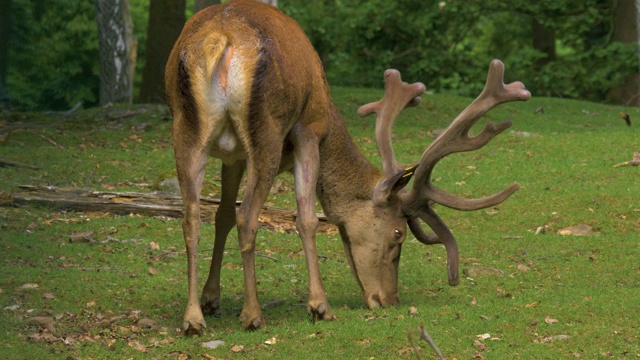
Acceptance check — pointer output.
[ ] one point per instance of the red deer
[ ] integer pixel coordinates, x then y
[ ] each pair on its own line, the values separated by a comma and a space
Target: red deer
245, 85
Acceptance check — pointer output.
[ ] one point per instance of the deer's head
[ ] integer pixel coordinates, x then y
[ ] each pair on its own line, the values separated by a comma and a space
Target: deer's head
373, 238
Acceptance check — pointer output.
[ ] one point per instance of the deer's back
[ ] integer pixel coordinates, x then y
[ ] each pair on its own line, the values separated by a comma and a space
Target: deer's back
241, 71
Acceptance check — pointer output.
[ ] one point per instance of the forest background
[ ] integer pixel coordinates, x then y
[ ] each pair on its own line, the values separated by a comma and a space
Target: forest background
580, 49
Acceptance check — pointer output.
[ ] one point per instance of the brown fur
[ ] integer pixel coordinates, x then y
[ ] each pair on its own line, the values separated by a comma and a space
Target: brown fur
244, 84
283, 120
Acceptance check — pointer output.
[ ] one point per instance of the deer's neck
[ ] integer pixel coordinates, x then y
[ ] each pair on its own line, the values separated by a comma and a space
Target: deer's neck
346, 176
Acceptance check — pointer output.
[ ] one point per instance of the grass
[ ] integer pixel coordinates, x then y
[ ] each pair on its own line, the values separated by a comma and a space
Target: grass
559, 297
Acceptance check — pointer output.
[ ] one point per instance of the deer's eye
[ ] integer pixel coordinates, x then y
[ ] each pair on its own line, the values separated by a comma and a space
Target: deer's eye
397, 234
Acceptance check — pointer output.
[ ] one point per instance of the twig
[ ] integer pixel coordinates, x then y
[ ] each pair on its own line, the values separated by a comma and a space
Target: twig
266, 256
424, 335
271, 304
86, 182
16, 163
73, 109
52, 142
634, 162
414, 346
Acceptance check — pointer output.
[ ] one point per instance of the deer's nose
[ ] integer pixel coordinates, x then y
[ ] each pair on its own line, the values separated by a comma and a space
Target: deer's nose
391, 299
373, 301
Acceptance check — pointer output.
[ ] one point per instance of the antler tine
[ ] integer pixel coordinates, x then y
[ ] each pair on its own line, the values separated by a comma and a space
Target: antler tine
456, 139
398, 95
417, 203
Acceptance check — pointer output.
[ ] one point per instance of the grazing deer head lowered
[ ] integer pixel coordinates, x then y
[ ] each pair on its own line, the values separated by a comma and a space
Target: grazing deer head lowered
245, 85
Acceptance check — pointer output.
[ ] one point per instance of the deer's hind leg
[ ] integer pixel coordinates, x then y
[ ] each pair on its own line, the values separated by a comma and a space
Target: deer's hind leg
190, 165
225, 220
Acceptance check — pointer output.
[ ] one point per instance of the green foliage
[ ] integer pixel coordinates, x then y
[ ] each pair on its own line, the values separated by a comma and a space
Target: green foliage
53, 61
53, 54
54, 57
447, 44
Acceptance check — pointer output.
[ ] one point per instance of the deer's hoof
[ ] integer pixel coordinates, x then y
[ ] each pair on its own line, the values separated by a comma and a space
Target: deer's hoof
320, 311
252, 323
193, 328
210, 307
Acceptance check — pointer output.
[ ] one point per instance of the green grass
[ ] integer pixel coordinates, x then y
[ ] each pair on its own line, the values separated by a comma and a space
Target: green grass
587, 288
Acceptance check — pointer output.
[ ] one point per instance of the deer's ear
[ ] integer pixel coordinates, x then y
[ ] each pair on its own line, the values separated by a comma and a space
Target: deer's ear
388, 189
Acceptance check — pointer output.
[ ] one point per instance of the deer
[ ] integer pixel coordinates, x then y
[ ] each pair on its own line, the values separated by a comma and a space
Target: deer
245, 85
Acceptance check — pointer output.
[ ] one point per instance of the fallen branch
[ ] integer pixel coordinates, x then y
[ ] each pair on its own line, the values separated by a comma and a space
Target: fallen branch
52, 142
17, 163
150, 204
634, 162
424, 335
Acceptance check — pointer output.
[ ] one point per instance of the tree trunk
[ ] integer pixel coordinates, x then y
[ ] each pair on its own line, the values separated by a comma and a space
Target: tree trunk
166, 19
544, 40
201, 4
115, 45
638, 38
626, 31
5, 32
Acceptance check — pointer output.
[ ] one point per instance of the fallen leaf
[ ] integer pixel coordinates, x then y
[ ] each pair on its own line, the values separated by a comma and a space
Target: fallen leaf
43, 337
523, 268
29, 286
146, 323
531, 305
237, 348
154, 245
48, 296
553, 338
116, 318
484, 336
578, 230
480, 345
209, 357
503, 294
137, 346
474, 302
90, 304
45, 322
153, 271
271, 341
213, 344
86, 236
549, 320
413, 310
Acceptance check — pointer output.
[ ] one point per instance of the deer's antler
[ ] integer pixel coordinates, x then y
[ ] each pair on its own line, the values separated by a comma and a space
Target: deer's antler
456, 138
398, 95
417, 202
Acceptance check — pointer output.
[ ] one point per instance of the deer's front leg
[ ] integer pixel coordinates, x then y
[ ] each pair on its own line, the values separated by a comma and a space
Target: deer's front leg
224, 222
306, 167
